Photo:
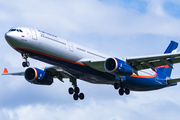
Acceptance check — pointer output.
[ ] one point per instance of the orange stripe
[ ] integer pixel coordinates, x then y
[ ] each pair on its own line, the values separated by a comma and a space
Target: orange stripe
166, 66
79, 63
36, 73
144, 76
116, 64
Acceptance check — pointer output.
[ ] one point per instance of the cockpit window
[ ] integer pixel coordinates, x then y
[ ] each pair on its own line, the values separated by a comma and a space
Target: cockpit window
12, 30
19, 30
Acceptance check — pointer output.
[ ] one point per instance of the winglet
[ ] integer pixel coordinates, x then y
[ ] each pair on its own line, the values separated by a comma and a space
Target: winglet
5, 70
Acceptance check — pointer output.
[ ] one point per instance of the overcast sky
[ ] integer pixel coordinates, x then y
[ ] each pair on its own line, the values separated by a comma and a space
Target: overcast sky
121, 28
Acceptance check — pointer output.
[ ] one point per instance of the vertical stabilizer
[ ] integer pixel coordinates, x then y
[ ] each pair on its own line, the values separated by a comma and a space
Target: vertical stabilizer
172, 48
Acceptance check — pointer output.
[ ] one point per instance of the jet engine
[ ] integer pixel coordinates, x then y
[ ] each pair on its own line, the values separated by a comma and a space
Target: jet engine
118, 67
38, 76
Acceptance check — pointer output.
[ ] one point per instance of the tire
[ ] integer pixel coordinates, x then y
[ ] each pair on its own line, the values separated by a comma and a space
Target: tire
76, 90
116, 86
71, 91
121, 91
75, 96
24, 64
127, 91
81, 96
27, 64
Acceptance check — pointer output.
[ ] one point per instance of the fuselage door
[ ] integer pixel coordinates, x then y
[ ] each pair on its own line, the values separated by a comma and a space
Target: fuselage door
34, 35
70, 46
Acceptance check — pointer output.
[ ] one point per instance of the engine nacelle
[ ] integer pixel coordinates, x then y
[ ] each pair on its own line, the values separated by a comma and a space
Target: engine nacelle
118, 67
38, 76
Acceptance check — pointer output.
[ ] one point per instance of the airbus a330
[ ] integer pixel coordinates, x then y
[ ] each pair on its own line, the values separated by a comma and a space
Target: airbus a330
73, 61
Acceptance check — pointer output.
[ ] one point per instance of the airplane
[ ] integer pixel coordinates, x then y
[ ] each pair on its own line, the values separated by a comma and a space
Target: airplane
70, 60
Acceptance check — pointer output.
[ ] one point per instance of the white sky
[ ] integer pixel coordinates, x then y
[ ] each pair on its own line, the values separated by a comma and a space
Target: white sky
120, 28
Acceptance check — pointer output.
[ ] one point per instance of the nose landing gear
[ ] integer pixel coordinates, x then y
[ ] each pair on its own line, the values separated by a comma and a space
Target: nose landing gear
25, 56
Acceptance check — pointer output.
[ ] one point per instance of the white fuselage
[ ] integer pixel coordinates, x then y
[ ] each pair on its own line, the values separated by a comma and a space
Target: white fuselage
36, 40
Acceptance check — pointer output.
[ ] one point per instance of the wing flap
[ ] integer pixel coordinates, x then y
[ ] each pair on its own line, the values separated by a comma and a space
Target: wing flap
58, 73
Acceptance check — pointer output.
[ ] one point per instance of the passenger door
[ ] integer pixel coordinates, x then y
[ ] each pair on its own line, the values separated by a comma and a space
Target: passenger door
34, 35
70, 46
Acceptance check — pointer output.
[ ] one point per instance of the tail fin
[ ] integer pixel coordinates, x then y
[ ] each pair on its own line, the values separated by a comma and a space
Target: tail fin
172, 48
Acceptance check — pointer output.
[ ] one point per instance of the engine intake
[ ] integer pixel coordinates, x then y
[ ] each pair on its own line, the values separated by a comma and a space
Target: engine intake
38, 76
118, 67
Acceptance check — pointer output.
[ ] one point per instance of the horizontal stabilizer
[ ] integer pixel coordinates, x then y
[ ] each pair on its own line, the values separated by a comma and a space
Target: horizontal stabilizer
173, 80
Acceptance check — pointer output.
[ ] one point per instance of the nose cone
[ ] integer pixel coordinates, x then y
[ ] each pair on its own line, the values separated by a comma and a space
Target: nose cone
8, 36
12, 39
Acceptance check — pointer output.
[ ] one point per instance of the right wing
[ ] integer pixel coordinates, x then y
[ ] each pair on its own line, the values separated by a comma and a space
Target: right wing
173, 80
140, 63
145, 62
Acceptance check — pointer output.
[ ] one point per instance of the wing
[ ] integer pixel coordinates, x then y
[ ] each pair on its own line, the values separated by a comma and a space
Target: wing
145, 62
16, 73
56, 72
173, 80
140, 63
95, 64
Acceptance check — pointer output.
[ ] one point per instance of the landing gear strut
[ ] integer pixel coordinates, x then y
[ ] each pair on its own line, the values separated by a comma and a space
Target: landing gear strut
122, 88
75, 90
25, 56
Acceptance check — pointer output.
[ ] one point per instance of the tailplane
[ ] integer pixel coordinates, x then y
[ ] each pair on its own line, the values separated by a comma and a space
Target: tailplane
172, 48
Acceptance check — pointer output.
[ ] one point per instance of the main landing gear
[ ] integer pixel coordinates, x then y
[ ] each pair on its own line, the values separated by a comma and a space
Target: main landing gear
122, 88
75, 90
25, 56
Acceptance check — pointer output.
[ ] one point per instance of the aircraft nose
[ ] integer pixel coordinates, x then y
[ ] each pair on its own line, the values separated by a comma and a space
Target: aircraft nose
12, 39
8, 36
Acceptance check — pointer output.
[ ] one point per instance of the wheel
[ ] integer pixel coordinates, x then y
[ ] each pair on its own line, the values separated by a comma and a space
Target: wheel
71, 91
127, 91
76, 90
116, 86
24, 64
27, 64
75, 96
81, 96
121, 91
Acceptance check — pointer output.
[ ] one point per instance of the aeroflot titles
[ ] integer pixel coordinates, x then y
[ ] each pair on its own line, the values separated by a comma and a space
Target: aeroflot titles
56, 39
50, 36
